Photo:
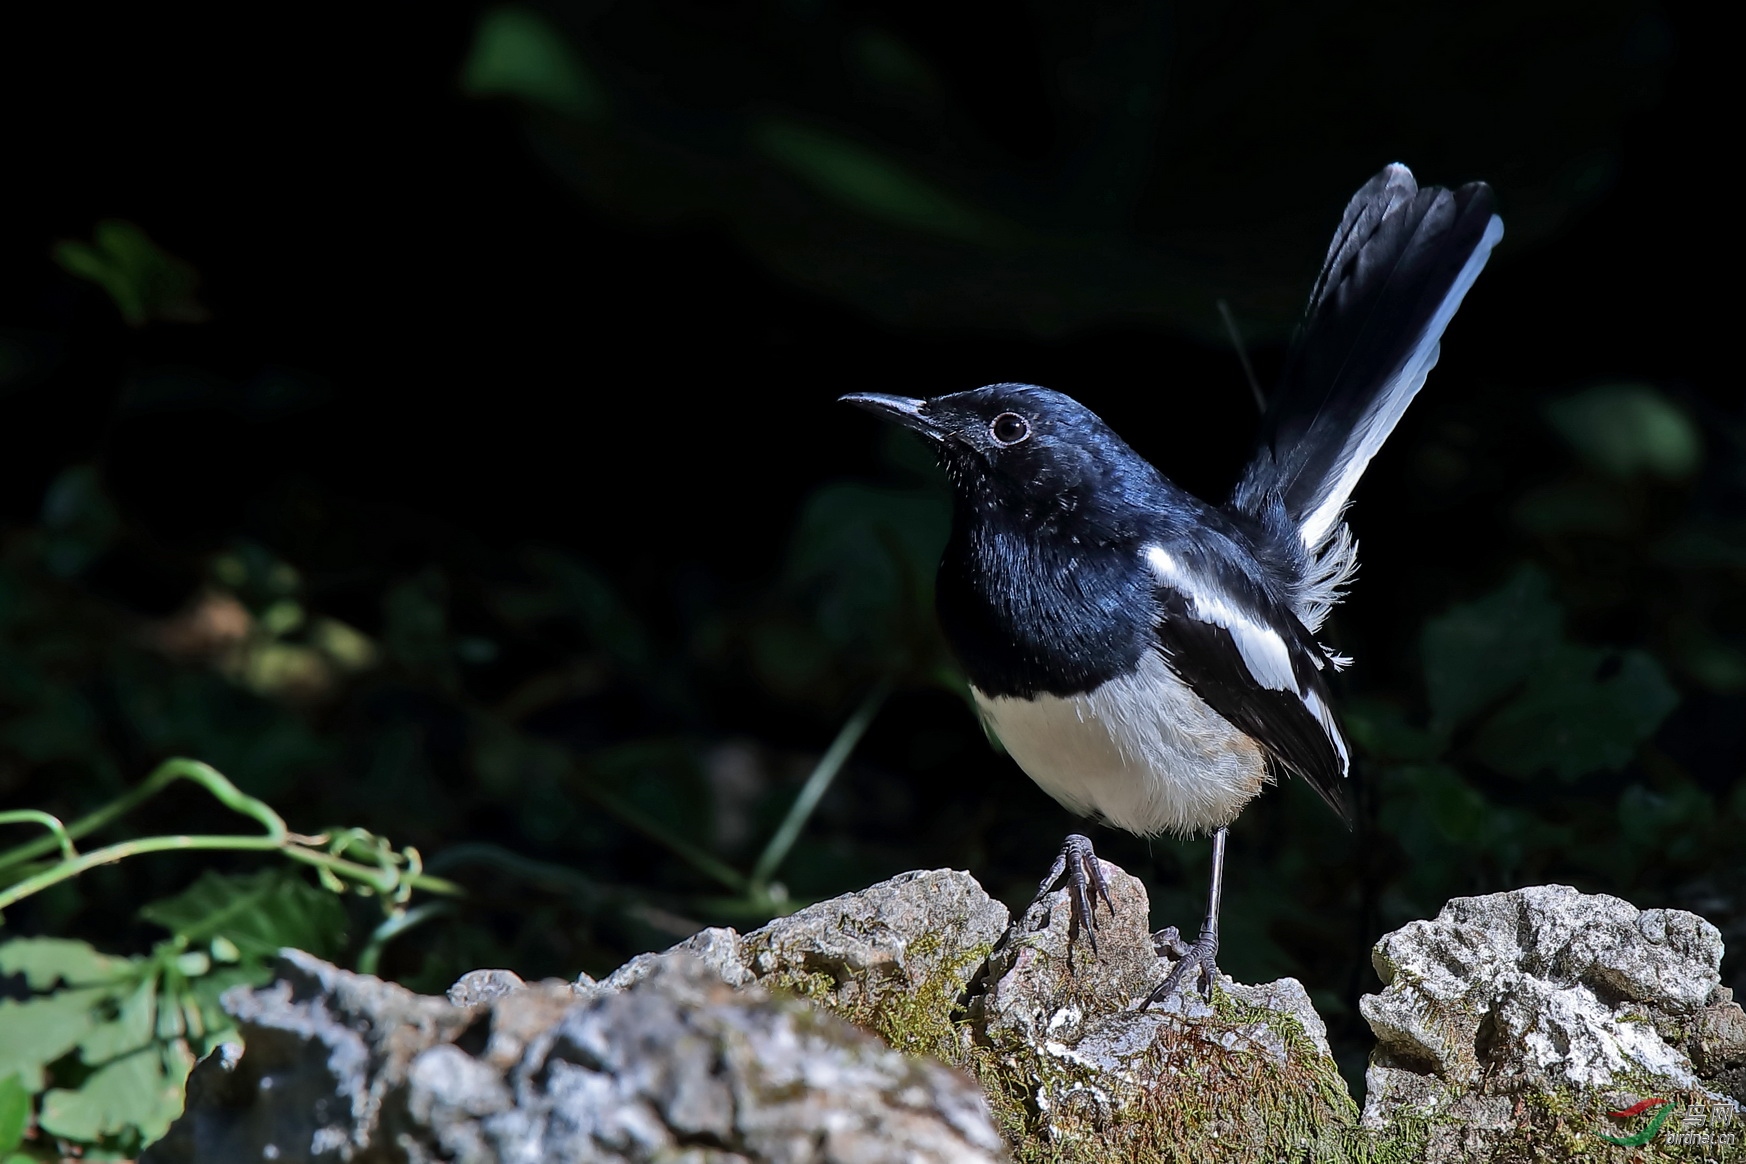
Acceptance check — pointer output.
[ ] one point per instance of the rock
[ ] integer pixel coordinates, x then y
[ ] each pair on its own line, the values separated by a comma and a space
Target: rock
678, 1065
478, 986
1072, 1059
325, 1048
1718, 1036
1508, 1028
896, 958
1513, 1021
717, 948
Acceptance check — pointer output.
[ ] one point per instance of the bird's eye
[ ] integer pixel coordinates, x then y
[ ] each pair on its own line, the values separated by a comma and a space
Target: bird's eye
1009, 428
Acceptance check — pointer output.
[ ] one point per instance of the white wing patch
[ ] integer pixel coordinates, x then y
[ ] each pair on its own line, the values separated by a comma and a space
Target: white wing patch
1263, 649
1369, 433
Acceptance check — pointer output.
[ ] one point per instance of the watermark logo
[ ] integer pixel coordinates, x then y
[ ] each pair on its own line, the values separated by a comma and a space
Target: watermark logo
1654, 1107
1710, 1124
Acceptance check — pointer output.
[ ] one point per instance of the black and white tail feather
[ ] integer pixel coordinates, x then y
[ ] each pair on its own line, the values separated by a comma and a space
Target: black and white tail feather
1397, 269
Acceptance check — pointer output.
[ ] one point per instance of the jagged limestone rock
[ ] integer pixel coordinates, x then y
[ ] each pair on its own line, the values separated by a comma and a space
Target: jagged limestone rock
678, 1066
895, 958
1081, 1070
1508, 1027
1512, 1024
477, 986
1076, 1070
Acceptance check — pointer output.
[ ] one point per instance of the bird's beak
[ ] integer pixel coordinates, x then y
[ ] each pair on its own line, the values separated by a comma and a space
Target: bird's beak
911, 414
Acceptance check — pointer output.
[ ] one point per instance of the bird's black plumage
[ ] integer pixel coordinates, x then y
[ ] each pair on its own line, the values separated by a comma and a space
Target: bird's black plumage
1145, 656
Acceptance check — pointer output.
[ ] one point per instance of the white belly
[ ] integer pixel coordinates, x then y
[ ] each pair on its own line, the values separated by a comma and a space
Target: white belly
1143, 752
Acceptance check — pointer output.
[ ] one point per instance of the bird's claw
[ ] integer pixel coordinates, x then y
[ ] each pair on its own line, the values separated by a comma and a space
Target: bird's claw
1168, 942
1200, 955
1078, 862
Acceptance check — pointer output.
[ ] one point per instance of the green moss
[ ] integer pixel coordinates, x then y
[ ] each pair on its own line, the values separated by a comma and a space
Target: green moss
1562, 1126
1404, 1141
915, 1018
1259, 1108
1567, 1126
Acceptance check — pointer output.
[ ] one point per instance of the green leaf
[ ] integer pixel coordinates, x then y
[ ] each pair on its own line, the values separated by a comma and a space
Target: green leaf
37, 1031
14, 1111
133, 1027
132, 1092
258, 913
517, 53
47, 961
203, 1011
1627, 429
1478, 651
1584, 710
145, 281
866, 181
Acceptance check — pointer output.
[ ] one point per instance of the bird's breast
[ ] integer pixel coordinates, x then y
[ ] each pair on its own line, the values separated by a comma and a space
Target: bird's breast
1026, 618
1140, 750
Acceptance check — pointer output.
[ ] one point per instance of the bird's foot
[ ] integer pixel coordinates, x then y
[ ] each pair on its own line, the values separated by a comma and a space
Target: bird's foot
1078, 862
1168, 941
1198, 955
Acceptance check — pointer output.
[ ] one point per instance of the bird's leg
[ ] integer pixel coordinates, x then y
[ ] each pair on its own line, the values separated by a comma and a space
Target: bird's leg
1078, 862
1205, 948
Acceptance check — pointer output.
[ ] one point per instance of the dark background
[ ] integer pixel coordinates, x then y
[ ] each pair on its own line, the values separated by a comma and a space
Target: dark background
530, 382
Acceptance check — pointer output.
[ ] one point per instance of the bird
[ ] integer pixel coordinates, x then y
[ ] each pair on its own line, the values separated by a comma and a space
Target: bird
1151, 659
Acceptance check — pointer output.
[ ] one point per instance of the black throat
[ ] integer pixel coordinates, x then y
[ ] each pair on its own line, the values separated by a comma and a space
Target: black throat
1052, 608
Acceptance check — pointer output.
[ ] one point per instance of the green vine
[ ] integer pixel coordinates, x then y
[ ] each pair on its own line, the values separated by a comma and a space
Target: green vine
390, 874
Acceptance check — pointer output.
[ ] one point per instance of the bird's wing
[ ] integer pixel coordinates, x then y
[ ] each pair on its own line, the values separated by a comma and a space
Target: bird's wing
1254, 664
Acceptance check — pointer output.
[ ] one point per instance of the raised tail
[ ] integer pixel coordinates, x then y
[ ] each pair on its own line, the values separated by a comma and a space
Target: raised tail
1395, 273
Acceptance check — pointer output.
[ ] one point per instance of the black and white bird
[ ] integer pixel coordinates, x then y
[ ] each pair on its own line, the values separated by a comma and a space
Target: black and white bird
1150, 659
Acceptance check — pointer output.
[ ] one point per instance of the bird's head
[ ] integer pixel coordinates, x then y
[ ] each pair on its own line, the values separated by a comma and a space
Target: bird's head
1024, 452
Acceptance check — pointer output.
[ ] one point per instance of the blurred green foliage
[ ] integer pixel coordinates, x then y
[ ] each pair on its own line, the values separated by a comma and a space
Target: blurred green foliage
517, 53
1627, 429
146, 282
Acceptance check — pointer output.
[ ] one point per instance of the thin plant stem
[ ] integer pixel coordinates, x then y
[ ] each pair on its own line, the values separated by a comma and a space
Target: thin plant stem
370, 957
373, 876
162, 777
817, 784
46, 820
385, 877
